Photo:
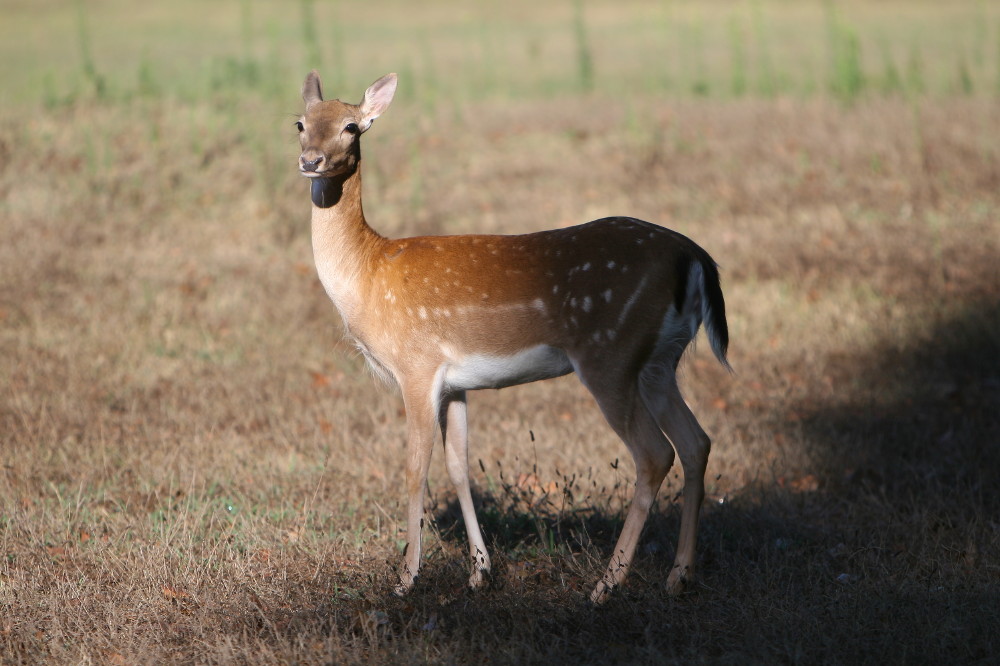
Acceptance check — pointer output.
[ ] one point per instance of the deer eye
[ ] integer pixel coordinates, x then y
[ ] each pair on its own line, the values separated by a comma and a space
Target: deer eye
351, 128
299, 126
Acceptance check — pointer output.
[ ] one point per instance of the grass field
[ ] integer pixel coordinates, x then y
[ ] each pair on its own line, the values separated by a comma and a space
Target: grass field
194, 467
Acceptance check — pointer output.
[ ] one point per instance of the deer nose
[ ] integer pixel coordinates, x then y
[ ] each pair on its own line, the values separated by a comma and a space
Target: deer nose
307, 165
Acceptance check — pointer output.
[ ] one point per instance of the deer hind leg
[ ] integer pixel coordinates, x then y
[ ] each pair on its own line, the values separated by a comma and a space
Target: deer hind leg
661, 395
651, 452
455, 431
419, 401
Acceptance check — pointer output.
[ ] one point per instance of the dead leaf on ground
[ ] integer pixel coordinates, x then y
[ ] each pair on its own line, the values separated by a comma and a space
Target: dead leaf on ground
533, 485
174, 593
806, 484
112, 657
319, 380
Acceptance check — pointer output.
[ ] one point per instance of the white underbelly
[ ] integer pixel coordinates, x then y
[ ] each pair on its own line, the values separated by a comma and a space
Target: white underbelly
479, 371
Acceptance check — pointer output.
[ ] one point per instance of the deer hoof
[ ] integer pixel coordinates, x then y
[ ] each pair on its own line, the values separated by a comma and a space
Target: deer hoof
678, 580
601, 593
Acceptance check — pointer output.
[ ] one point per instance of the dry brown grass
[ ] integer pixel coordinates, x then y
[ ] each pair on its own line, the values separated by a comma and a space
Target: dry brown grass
194, 467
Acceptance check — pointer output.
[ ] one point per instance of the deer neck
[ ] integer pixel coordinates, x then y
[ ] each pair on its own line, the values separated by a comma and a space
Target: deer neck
344, 246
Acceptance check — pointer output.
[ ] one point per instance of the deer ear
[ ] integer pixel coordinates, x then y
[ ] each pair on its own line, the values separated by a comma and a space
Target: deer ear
312, 94
377, 99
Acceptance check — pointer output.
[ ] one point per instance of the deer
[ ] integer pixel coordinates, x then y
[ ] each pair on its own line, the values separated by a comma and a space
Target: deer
615, 300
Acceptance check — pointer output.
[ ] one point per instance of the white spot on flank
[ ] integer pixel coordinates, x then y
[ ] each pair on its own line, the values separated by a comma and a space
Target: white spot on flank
610, 333
555, 289
587, 303
597, 336
631, 300
607, 295
611, 264
585, 267
423, 312
572, 302
538, 304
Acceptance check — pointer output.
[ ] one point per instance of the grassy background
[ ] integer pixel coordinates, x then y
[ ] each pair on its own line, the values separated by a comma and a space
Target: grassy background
194, 466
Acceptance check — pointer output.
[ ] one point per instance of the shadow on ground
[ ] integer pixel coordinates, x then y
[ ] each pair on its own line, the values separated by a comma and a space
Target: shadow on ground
894, 556
924, 425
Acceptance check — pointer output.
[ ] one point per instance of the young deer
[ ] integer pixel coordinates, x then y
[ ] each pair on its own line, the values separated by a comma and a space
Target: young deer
616, 301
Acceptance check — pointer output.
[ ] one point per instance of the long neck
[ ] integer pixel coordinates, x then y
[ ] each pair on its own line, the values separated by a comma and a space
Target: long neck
344, 246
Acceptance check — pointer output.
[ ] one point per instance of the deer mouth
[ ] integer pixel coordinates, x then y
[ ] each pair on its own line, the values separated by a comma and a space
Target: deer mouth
312, 165
324, 169
312, 173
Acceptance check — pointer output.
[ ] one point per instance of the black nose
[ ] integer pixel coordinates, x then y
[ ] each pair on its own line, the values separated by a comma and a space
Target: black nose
311, 166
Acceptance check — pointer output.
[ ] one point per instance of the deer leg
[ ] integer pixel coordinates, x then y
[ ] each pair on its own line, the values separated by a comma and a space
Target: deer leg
454, 428
651, 452
693, 446
420, 426
653, 456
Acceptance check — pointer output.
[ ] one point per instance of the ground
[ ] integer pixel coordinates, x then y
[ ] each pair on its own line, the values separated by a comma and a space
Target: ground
195, 467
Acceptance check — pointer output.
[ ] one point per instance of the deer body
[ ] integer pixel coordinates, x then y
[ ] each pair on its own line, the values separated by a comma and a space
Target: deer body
614, 300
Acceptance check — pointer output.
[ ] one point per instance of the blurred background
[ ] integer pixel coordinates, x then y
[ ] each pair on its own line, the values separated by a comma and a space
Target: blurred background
194, 466
61, 52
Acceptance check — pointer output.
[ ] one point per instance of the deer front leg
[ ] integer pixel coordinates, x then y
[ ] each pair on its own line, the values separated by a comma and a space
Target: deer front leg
454, 428
419, 443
